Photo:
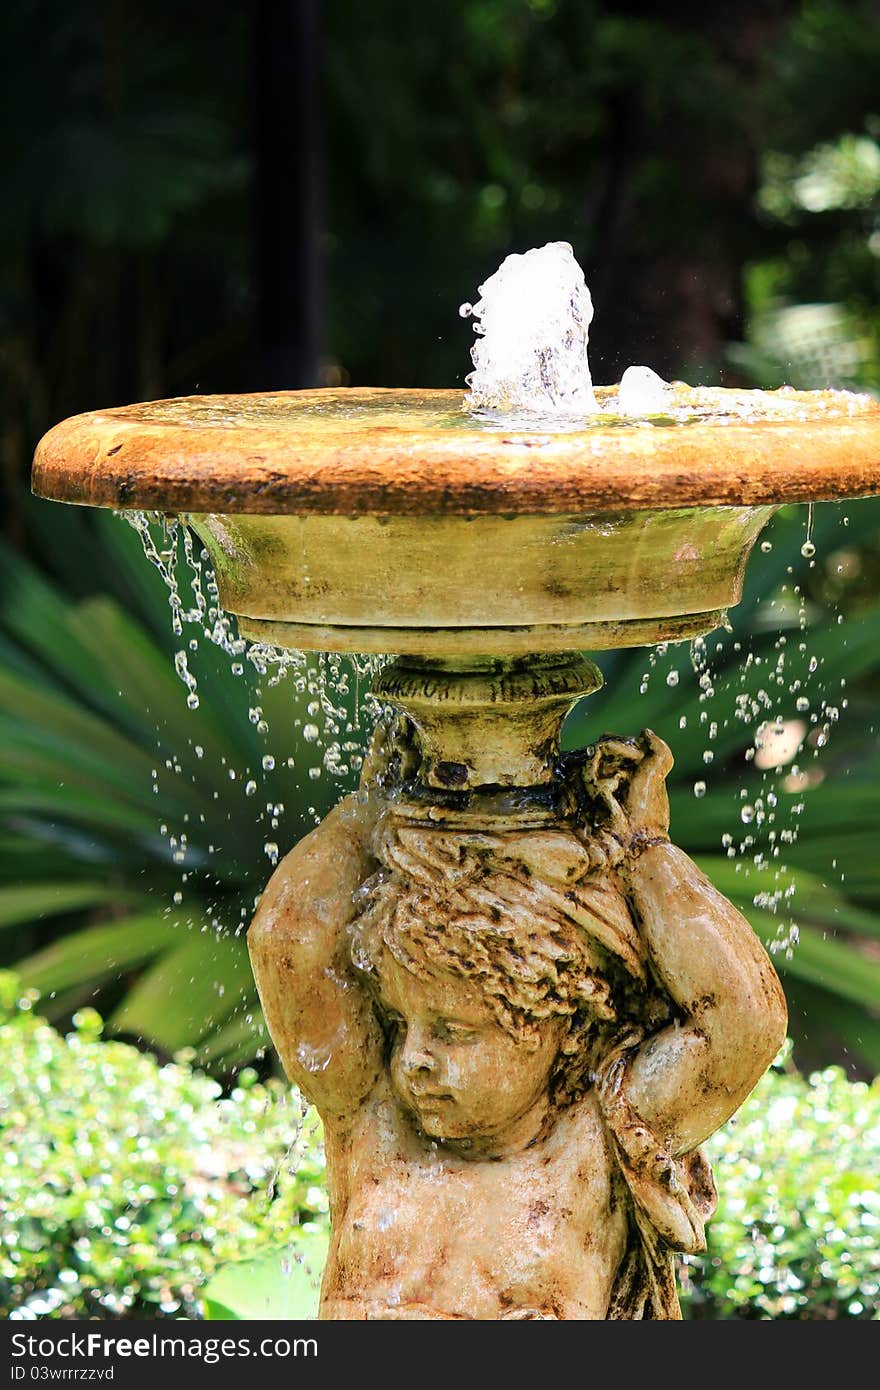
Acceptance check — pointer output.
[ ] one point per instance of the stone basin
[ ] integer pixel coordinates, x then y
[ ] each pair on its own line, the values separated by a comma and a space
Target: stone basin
378, 520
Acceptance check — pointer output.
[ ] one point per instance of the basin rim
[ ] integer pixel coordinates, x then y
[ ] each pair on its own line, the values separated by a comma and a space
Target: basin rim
279, 453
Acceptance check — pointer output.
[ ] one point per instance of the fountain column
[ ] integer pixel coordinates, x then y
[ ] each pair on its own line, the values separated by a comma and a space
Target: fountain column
487, 722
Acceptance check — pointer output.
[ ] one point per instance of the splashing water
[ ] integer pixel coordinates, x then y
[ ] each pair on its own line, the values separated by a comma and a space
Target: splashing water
330, 722
530, 358
771, 804
170, 547
642, 392
808, 549
532, 323
767, 817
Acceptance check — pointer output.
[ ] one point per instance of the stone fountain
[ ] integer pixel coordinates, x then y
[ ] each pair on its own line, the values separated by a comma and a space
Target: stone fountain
519, 1008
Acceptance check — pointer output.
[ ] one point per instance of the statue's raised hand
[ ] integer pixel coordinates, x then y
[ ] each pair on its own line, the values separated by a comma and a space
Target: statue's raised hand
392, 756
646, 802
626, 781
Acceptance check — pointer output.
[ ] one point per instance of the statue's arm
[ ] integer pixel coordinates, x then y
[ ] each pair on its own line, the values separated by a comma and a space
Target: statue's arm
690, 1077
319, 1017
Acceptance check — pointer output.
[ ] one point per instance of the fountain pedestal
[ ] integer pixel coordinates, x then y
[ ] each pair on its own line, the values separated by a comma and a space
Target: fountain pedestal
518, 1007
493, 722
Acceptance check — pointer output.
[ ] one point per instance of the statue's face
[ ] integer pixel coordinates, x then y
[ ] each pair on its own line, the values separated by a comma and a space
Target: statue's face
455, 1069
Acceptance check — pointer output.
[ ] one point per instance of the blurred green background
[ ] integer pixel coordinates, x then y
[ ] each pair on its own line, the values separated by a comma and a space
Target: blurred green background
287, 194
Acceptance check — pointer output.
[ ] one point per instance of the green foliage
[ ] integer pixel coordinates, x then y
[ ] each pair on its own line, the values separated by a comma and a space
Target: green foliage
796, 1233
282, 1284
124, 1184
97, 903
464, 161
123, 228
813, 283
132, 1189
133, 829
450, 136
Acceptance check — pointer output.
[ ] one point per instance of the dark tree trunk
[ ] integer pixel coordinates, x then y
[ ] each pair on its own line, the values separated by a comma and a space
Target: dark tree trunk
287, 193
675, 302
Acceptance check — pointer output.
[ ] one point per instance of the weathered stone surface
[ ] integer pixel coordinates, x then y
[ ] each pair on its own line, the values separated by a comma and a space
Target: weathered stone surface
376, 451
480, 585
519, 1008
520, 1014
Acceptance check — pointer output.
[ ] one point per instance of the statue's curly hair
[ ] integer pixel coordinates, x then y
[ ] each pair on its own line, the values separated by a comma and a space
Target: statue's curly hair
528, 916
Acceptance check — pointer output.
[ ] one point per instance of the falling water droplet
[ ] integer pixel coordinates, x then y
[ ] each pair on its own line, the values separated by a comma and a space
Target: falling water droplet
699, 789
808, 549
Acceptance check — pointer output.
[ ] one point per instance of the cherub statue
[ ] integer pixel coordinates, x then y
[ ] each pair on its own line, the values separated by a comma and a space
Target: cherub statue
518, 1028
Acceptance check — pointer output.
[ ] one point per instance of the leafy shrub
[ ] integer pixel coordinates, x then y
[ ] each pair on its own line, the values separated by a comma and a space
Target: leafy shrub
126, 1185
798, 1221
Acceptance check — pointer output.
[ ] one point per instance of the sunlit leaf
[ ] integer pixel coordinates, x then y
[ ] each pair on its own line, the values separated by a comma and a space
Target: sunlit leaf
94, 953
284, 1284
188, 992
32, 902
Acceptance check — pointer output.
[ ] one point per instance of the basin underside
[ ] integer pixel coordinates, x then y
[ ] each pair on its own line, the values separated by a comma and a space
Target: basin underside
452, 585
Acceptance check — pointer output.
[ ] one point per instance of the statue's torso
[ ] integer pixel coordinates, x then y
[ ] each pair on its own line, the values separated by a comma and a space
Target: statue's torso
421, 1231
